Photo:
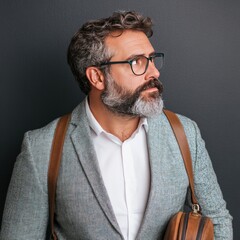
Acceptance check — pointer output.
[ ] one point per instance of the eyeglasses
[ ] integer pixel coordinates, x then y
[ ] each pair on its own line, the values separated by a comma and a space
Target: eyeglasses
139, 64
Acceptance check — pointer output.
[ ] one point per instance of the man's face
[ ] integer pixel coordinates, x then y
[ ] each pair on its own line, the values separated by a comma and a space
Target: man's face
125, 93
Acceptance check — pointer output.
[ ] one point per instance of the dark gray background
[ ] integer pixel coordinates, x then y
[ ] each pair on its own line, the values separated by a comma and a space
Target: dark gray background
201, 41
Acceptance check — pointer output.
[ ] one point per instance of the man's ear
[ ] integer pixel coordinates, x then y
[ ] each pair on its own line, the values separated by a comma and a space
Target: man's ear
95, 77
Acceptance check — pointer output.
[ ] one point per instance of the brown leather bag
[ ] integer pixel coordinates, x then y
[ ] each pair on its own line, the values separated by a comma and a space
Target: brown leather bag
187, 225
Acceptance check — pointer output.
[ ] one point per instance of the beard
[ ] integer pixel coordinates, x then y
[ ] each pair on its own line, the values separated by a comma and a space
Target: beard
123, 102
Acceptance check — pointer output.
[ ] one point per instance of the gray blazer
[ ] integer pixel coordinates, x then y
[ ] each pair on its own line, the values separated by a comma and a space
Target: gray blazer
83, 208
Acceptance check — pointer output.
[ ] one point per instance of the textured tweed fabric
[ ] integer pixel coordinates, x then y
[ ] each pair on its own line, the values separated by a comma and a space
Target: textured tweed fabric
83, 209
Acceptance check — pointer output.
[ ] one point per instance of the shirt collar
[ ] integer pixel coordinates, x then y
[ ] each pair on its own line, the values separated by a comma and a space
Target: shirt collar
96, 127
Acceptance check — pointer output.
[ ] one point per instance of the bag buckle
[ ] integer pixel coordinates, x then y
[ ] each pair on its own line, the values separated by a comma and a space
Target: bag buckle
196, 208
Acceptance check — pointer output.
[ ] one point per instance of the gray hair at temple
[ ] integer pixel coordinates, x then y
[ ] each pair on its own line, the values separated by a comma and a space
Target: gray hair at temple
87, 46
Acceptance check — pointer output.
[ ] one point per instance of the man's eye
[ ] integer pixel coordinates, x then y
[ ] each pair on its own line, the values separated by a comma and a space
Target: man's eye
136, 61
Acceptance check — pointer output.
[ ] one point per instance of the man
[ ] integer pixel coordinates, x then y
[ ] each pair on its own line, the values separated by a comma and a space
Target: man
122, 175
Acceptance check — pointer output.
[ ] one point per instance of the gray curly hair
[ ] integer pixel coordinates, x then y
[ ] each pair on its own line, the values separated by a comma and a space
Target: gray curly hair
87, 46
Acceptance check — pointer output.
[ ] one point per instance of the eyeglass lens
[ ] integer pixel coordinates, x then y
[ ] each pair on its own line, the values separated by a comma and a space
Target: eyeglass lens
140, 64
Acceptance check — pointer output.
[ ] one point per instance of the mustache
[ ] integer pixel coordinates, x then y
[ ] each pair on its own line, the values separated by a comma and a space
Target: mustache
150, 84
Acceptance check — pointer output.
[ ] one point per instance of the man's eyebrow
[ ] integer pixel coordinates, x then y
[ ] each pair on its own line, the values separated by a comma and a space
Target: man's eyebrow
139, 55
134, 56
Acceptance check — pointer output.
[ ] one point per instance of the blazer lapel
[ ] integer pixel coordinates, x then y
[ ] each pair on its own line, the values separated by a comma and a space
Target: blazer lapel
88, 160
158, 152
168, 177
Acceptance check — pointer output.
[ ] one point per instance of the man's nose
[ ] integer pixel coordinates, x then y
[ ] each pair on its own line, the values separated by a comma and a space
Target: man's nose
152, 71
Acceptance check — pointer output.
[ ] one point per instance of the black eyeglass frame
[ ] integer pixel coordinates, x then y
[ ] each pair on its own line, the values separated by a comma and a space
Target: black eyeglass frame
150, 58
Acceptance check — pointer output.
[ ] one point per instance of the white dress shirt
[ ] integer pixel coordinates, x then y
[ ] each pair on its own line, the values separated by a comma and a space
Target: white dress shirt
125, 171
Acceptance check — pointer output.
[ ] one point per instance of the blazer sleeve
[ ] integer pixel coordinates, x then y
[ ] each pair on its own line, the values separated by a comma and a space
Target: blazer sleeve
208, 191
26, 208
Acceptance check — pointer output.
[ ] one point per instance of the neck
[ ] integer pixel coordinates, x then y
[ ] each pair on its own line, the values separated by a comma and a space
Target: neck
121, 126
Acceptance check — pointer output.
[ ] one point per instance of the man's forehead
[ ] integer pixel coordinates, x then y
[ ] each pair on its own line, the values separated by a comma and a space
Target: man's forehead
127, 43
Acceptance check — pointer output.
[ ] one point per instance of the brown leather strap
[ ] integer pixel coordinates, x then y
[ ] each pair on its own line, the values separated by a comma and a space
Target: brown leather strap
54, 164
184, 148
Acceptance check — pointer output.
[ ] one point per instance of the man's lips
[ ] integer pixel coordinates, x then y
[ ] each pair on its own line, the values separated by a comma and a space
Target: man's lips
152, 89
152, 84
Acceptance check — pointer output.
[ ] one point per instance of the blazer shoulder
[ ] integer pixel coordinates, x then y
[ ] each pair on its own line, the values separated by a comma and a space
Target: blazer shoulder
42, 136
194, 137
189, 125
190, 128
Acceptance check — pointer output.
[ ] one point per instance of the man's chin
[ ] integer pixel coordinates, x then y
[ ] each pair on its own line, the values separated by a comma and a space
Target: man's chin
148, 107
